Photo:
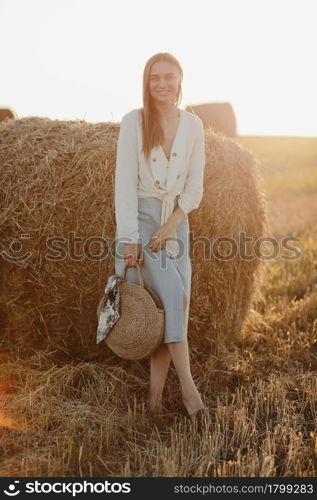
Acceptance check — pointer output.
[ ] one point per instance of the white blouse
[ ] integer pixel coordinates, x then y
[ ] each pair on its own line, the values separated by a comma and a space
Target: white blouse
181, 176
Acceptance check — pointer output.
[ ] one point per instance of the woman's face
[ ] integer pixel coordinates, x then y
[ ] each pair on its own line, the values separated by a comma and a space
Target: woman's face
164, 80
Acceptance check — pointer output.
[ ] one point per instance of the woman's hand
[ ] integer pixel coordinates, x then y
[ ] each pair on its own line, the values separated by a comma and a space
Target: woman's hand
133, 253
159, 237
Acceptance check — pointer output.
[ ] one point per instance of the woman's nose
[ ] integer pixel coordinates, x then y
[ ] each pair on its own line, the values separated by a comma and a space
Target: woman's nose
162, 83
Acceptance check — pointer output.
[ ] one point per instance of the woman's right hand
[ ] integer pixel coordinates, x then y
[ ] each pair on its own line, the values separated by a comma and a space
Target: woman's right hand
132, 254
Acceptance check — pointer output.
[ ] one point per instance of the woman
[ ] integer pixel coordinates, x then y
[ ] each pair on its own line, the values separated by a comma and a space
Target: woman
159, 180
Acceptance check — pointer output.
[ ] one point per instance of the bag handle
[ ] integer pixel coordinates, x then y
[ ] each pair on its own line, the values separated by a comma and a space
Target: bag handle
141, 279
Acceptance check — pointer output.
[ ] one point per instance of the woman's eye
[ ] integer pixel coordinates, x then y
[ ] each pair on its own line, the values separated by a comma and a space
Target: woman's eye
169, 77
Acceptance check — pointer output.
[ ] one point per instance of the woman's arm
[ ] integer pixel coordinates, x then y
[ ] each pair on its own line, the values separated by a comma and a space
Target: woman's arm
126, 181
194, 184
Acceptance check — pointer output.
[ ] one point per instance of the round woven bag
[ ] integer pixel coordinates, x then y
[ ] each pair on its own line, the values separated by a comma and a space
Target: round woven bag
140, 329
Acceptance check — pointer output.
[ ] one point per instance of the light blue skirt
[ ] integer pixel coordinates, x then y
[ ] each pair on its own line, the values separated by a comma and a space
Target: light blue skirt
168, 276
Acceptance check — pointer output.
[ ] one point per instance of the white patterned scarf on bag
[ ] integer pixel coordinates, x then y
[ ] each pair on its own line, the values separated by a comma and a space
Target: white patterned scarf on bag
109, 313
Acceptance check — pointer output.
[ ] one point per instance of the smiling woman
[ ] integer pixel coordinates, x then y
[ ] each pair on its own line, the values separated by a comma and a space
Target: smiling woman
153, 197
162, 85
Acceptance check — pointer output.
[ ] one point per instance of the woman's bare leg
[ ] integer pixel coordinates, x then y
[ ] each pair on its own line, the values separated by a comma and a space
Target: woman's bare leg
160, 362
180, 356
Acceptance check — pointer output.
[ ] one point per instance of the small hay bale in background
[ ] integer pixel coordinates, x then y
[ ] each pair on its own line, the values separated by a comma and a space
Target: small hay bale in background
6, 113
57, 181
217, 115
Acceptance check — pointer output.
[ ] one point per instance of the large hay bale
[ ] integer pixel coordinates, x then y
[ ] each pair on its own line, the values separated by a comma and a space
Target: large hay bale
217, 115
57, 180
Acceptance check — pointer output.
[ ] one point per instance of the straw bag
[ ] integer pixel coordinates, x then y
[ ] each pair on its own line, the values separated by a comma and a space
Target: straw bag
140, 329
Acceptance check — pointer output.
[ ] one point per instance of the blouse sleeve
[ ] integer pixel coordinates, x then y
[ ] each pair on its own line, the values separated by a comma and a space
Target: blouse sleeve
126, 181
194, 183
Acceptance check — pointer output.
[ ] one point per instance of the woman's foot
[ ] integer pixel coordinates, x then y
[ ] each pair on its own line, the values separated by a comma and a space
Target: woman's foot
195, 408
199, 420
192, 400
154, 404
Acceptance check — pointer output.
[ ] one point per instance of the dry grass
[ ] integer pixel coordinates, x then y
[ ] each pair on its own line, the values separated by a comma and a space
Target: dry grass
62, 416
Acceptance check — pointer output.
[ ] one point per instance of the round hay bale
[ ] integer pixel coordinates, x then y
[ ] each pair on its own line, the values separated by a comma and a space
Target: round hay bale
217, 115
7, 114
58, 226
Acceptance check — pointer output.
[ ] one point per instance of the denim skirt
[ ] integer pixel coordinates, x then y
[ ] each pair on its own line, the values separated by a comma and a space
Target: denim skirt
169, 276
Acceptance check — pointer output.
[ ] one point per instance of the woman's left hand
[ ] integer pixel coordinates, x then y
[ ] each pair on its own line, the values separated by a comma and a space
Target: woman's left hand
159, 237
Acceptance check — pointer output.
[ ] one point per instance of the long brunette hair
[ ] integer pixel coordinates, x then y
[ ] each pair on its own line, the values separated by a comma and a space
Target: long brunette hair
151, 128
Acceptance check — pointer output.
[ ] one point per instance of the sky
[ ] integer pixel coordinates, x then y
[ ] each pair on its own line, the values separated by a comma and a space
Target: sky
84, 59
